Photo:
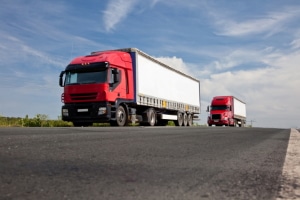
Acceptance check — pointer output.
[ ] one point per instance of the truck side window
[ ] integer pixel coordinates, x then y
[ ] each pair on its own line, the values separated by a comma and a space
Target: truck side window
115, 78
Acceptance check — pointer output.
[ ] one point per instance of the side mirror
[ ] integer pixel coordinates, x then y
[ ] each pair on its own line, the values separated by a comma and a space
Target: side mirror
61, 84
207, 109
114, 76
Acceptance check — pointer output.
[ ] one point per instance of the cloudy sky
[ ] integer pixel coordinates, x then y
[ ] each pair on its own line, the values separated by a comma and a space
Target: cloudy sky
249, 49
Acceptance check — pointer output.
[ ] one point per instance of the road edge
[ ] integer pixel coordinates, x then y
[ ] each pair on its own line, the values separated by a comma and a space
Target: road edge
290, 181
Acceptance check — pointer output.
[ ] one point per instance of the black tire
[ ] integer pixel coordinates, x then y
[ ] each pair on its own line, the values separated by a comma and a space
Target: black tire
179, 120
185, 119
151, 117
190, 120
121, 117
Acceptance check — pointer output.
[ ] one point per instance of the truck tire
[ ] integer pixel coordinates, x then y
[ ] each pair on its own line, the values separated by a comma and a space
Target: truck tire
121, 117
185, 119
190, 120
151, 117
179, 120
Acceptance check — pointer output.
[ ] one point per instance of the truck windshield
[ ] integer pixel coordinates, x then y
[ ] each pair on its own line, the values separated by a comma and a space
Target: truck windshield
86, 74
85, 77
219, 108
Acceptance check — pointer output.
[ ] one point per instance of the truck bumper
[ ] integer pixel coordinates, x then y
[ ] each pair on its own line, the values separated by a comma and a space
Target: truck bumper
88, 113
218, 122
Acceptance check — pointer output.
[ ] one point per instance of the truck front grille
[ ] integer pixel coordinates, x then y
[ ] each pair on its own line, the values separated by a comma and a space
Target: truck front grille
84, 96
216, 116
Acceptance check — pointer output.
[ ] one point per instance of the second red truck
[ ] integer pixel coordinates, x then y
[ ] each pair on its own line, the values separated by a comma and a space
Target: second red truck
226, 110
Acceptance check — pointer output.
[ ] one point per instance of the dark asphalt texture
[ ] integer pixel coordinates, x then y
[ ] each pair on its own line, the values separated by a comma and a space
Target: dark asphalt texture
141, 163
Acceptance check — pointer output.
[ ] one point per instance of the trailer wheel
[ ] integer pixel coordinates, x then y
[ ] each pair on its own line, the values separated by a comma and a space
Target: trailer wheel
151, 116
185, 119
190, 120
121, 116
179, 120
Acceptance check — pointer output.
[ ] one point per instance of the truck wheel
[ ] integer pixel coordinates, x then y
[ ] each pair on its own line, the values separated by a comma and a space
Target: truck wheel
185, 119
190, 120
179, 120
121, 116
151, 116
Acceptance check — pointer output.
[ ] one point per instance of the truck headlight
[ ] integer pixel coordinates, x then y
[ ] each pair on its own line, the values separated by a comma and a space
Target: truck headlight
225, 118
102, 110
65, 112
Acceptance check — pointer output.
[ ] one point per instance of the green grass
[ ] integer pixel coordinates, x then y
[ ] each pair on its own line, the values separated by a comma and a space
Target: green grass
38, 121
41, 120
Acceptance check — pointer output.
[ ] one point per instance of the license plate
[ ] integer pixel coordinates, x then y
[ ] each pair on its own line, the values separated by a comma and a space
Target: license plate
83, 110
216, 120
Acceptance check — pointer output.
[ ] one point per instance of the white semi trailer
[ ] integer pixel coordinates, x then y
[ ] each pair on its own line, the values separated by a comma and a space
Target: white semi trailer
137, 88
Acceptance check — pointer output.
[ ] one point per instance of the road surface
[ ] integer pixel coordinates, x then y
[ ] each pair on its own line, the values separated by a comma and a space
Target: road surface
142, 163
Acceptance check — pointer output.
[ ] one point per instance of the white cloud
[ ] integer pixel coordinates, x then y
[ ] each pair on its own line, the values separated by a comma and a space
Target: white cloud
15, 50
174, 62
236, 58
116, 11
269, 23
295, 44
154, 2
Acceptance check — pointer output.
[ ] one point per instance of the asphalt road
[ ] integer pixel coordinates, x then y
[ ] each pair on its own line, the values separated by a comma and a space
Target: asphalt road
141, 163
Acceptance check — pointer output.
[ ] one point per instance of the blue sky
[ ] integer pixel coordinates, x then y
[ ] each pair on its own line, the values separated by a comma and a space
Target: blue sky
249, 49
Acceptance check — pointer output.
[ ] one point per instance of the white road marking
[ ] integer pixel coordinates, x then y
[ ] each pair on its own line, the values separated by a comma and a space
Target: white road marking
290, 183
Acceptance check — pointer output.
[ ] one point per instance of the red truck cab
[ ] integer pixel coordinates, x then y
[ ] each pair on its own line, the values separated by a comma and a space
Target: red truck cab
221, 111
93, 83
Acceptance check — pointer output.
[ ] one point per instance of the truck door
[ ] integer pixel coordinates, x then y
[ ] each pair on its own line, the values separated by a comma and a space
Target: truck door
117, 83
